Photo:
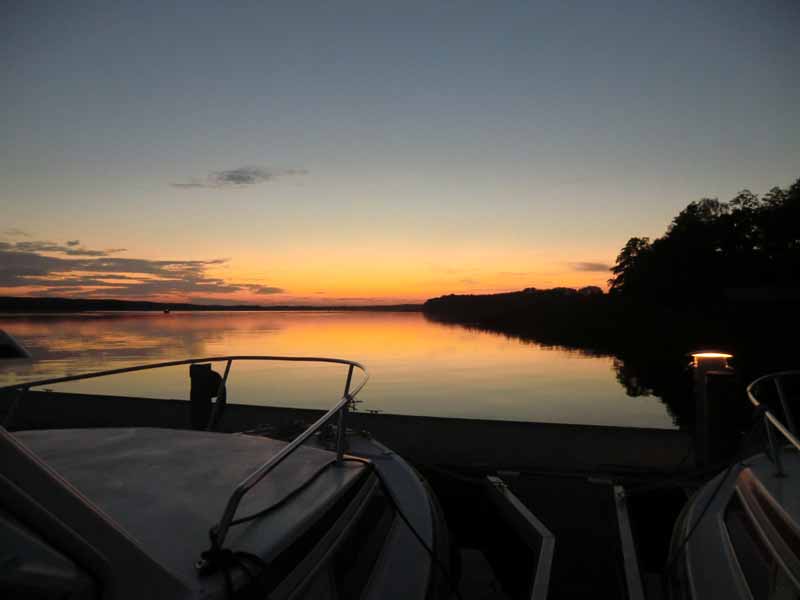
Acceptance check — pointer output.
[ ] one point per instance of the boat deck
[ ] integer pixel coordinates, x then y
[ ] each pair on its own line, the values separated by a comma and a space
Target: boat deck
166, 487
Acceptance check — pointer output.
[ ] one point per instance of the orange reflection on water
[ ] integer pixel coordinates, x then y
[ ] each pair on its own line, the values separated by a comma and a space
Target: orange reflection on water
417, 366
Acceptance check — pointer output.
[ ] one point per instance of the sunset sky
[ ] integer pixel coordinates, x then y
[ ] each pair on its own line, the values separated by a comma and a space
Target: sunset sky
359, 152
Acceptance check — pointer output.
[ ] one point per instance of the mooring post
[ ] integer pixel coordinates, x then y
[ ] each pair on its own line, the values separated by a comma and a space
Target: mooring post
715, 411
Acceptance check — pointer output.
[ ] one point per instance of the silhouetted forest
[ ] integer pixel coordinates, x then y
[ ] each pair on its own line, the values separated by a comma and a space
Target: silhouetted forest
747, 248
725, 275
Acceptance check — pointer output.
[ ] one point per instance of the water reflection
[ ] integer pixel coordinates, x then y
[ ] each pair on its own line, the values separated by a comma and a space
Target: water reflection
418, 366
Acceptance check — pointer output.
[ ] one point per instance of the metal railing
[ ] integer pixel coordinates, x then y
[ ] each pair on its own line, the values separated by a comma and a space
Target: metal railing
788, 430
220, 530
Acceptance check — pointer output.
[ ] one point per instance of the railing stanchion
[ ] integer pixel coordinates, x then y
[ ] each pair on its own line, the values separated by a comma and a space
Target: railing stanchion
225, 375
342, 425
771, 421
215, 412
774, 448
784, 405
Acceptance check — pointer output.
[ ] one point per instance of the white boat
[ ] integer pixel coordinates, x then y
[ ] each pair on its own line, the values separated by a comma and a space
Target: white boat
163, 513
739, 535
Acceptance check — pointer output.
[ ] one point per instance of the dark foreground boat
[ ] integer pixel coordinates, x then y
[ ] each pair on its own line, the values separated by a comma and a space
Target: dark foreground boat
164, 513
739, 536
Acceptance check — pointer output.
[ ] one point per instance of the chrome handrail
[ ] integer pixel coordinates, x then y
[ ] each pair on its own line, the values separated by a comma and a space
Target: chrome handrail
788, 431
220, 530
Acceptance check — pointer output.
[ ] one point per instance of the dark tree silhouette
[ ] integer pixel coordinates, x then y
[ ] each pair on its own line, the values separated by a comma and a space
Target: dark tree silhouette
630, 263
715, 251
725, 275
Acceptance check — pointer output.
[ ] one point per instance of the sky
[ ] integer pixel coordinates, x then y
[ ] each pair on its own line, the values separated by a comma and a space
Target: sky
374, 152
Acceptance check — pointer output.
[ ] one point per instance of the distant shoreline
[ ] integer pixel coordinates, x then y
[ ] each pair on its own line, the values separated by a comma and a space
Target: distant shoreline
9, 304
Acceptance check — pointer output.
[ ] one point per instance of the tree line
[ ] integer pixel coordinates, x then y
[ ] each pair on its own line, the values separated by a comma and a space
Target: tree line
713, 251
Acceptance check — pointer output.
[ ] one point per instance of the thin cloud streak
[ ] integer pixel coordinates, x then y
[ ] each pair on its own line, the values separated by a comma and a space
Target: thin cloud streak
266, 289
71, 248
15, 232
590, 266
239, 177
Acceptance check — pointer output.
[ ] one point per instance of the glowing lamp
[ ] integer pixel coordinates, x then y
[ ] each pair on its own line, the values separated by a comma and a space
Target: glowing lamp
711, 361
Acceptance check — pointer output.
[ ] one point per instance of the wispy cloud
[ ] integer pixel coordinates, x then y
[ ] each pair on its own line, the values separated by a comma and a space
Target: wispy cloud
14, 232
239, 177
72, 269
590, 266
71, 248
266, 289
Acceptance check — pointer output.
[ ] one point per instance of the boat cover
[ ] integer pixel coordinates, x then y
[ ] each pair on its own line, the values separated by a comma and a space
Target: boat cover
167, 487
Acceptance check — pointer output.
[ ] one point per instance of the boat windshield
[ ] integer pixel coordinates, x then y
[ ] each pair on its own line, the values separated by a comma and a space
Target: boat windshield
765, 541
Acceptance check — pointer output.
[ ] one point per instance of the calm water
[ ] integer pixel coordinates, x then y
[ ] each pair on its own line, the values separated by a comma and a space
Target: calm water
417, 366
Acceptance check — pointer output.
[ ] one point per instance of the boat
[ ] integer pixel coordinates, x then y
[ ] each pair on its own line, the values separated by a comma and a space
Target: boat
151, 512
11, 348
738, 537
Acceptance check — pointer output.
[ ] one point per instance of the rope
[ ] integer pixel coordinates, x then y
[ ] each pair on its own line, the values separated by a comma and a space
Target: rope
225, 559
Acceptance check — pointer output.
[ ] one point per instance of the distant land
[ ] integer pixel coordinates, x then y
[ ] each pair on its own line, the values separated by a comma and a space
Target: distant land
723, 274
11, 304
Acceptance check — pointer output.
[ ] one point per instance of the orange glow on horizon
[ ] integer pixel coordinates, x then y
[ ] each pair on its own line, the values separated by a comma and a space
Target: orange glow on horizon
340, 276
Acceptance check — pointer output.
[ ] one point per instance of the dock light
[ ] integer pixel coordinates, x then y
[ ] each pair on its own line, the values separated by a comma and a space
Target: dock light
714, 391
711, 361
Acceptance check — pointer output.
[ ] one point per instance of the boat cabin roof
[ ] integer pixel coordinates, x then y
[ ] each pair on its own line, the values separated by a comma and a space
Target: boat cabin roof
166, 488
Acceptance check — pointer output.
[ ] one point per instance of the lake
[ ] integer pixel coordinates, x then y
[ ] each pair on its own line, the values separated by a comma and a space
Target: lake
417, 366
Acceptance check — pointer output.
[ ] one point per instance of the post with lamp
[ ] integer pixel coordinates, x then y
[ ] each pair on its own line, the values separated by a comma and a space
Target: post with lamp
714, 390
